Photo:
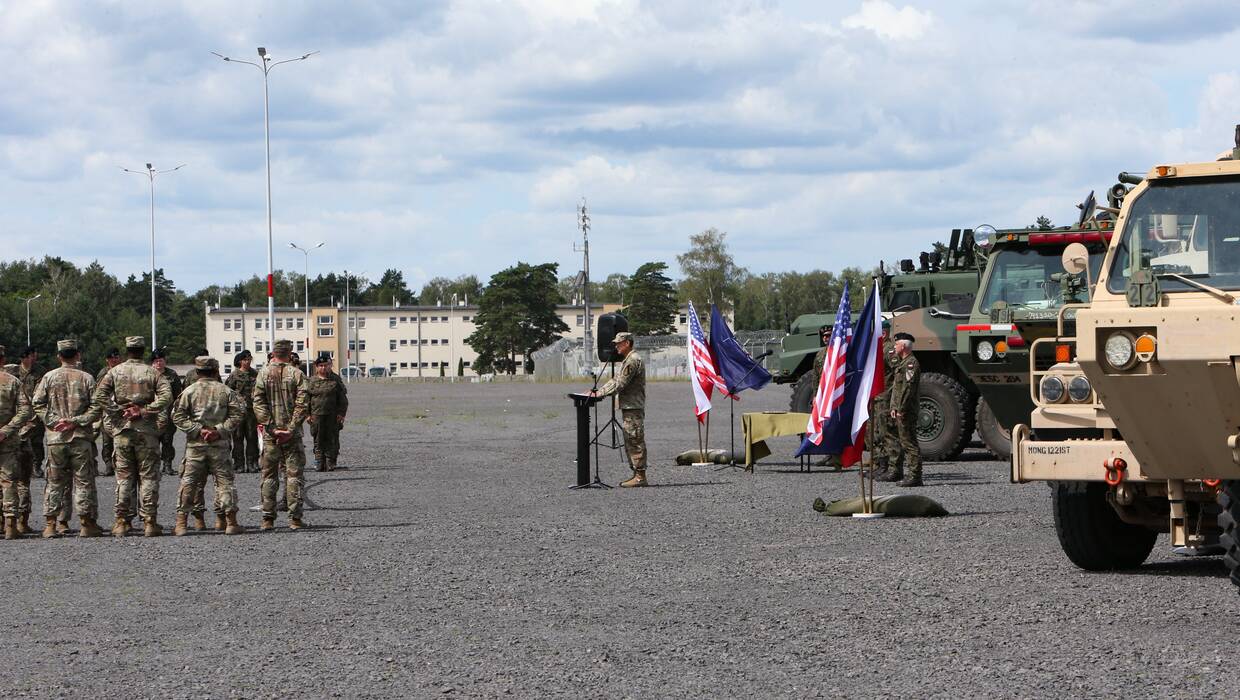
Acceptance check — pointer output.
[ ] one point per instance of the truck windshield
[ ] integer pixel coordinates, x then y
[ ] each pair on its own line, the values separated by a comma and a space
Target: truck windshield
1032, 278
1188, 227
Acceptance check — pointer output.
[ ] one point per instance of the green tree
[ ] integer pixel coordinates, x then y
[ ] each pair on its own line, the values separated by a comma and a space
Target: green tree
516, 316
390, 285
652, 301
710, 275
440, 290
1044, 224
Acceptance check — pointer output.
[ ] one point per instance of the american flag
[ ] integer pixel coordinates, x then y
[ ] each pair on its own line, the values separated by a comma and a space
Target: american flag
702, 373
831, 384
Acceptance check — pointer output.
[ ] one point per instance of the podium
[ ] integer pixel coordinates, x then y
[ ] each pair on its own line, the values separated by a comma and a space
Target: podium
583, 403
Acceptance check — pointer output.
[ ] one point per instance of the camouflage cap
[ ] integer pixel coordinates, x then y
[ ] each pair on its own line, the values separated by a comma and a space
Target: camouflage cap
621, 337
135, 341
66, 344
283, 346
206, 363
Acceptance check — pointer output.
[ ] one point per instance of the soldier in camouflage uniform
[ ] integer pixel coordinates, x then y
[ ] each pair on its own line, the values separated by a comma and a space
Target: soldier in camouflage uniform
245, 438
208, 412
280, 405
32, 434
168, 431
136, 396
820, 361
112, 359
64, 402
629, 386
903, 412
329, 401
14, 413
879, 427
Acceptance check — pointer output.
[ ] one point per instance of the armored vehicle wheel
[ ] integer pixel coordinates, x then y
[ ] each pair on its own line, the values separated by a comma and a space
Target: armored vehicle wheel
803, 393
944, 421
1229, 522
996, 438
1091, 533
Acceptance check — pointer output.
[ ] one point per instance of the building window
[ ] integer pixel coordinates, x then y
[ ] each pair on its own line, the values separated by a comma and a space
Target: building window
404, 319
236, 324
404, 365
684, 318
258, 324
467, 363
444, 341
443, 318
466, 319
424, 364
392, 345
434, 341
228, 324
434, 319
301, 346
581, 319
301, 323
391, 366
227, 346
327, 332
357, 345
357, 322
326, 320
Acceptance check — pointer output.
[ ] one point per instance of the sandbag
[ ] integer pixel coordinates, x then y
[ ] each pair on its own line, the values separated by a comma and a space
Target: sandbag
894, 506
712, 456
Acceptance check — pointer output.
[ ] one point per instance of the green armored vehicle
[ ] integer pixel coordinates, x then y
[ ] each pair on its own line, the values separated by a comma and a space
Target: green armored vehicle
927, 300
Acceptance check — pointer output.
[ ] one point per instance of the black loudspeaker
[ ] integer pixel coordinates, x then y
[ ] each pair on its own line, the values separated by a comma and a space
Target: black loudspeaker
608, 326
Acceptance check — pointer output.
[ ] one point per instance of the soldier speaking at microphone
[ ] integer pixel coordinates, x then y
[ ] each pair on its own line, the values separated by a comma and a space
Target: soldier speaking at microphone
629, 386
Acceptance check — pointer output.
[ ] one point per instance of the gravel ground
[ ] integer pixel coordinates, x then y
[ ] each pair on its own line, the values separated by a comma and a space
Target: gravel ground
452, 561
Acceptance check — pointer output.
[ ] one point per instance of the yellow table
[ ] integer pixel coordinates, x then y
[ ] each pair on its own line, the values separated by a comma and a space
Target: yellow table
758, 427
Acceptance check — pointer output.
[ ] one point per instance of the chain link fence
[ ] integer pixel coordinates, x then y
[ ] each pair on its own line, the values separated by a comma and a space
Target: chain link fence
665, 356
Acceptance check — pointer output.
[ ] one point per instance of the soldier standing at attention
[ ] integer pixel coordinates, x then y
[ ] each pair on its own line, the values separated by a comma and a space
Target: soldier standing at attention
329, 401
208, 412
112, 359
629, 386
904, 408
14, 413
32, 434
168, 431
245, 437
280, 405
136, 395
64, 401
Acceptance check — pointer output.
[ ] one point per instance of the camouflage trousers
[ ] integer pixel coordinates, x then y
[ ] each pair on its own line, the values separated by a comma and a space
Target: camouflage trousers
167, 450
245, 442
201, 460
71, 478
15, 468
633, 422
105, 450
326, 433
137, 465
877, 429
285, 462
902, 445
34, 442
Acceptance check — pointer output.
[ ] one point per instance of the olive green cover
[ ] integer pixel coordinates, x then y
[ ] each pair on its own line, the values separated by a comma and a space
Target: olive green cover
896, 506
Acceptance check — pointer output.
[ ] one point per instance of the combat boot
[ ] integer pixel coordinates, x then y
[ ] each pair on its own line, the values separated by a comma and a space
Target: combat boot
252, 468
220, 522
38, 471
233, 527
10, 529
120, 528
296, 524
320, 464
181, 527
639, 479
331, 464
268, 524
49, 530
200, 522
89, 528
62, 527
152, 529
912, 480
892, 474
168, 468
23, 524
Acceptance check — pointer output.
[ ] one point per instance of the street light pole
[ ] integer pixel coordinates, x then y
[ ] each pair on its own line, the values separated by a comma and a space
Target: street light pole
266, 67
306, 252
150, 174
28, 317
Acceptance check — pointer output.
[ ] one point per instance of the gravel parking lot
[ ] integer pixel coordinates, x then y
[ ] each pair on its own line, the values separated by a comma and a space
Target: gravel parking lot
451, 560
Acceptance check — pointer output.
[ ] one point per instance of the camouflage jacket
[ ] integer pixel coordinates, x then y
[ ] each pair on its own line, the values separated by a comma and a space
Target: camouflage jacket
629, 384
102, 371
904, 388
14, 406
280, 397
242, 383
207, 403
133, 383
890, 358
67, 394
328, 397
30, 379
174, 381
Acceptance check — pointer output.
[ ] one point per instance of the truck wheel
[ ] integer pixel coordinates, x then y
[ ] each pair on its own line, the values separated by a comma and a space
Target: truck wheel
996, 438
803, 393
1229, 522
943, 425
1091, 533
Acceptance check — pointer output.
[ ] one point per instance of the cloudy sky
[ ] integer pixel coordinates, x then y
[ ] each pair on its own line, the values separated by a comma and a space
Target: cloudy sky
445, 138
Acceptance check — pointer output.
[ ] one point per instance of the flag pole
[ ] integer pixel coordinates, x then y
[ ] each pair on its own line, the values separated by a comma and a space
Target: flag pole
701, 451
707, 444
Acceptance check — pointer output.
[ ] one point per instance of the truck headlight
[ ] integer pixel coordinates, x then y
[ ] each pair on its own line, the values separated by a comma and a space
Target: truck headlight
1051, 389
1079, 388
985, 351
1119, 350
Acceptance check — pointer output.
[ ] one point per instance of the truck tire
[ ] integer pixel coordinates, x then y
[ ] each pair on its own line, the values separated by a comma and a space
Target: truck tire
1229, 523
803, 393
944, 423
1091, 533
996, 438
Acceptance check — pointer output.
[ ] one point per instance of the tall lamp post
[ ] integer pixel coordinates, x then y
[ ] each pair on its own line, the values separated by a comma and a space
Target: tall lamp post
150, 174
306, 252
265, 67
28, 317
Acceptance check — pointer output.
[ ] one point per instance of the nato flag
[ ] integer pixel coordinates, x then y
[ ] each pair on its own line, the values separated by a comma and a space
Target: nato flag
738, 369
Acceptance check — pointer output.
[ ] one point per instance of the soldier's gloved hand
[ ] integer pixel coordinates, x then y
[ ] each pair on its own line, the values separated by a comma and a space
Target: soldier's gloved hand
282, 436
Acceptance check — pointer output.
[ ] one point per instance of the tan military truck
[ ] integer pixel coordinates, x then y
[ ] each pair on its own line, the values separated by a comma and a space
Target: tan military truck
1137, 425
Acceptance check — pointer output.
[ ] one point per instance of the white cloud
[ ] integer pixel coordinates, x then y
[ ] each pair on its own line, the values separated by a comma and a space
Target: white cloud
886, 21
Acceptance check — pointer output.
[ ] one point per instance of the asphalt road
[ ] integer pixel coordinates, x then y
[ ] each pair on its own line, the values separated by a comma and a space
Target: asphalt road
451, 560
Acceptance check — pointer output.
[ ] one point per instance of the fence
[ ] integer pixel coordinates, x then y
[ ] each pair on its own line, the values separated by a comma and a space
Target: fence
665, 356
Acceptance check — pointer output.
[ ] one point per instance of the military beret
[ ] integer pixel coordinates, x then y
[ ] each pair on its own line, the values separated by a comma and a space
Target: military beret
323, 359
621, 337
28, 351
113, 353
825, 329
906, 336
67, 344
134, 341
159, 354
205, 363
283, 346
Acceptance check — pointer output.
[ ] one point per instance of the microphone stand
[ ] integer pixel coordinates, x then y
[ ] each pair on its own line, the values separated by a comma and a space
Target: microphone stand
597, 483
732, 417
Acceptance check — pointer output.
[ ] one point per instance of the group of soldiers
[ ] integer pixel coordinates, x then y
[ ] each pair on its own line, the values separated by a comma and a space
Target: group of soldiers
137, 408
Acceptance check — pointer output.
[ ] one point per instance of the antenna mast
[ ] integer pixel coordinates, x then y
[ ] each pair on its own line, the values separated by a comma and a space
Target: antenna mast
583, 223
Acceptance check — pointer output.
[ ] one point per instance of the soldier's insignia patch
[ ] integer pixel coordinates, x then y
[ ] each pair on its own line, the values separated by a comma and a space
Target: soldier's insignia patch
908, 374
